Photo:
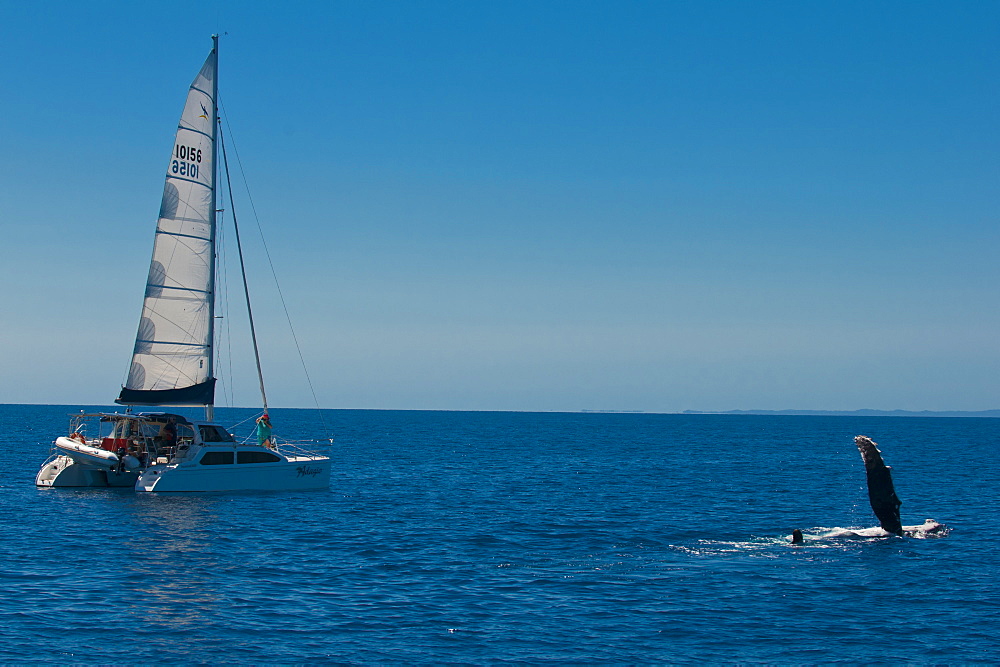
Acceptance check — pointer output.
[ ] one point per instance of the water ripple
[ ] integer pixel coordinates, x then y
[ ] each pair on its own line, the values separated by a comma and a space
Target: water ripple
484, 538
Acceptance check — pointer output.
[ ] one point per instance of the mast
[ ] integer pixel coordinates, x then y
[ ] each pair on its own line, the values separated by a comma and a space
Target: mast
210, 407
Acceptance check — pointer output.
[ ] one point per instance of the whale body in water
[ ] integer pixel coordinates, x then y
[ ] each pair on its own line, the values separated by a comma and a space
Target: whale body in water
929, 528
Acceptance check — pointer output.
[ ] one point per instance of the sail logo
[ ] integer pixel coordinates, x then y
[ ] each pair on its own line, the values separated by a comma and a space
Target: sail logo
204, 112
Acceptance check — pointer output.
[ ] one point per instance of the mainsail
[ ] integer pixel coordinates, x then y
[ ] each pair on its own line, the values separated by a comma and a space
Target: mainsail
172, 359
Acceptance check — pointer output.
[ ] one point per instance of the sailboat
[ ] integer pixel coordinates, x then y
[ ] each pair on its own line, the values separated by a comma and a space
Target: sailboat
172, 361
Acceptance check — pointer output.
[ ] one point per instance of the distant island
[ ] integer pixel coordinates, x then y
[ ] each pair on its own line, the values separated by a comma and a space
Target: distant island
855, 413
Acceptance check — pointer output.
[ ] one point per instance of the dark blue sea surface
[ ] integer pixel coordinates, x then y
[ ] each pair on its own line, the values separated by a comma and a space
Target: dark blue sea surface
476, 537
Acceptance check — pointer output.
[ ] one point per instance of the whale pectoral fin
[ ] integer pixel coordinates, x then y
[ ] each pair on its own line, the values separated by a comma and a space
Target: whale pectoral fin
881, 493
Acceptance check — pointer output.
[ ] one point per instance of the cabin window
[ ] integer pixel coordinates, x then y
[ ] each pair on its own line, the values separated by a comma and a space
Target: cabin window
214, 434
256, 457
217, 459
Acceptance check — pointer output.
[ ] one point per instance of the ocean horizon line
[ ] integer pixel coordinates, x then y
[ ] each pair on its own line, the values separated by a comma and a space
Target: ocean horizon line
863, 412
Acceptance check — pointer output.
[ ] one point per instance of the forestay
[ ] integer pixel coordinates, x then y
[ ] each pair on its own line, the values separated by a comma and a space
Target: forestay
172, 359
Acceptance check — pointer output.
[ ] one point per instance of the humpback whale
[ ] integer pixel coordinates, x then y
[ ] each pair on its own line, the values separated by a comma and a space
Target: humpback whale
881, 493
884, 502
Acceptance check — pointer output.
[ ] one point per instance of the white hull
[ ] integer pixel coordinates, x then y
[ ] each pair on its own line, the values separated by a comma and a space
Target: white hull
64, 472
293, 474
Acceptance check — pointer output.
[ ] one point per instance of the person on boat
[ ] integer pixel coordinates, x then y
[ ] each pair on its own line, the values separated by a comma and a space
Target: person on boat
168, 433
264, 431
135, 450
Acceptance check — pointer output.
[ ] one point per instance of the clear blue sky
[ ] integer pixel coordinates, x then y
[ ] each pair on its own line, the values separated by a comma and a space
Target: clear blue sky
528, 205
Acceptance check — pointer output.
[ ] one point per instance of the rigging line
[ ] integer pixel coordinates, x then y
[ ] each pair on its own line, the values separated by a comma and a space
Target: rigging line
243, 270
233, 428
274, 273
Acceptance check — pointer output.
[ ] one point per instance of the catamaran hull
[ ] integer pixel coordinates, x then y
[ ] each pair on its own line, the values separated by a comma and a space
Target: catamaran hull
64, 472
297, 474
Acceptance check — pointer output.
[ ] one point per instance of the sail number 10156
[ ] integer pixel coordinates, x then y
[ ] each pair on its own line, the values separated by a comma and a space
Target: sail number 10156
186, 161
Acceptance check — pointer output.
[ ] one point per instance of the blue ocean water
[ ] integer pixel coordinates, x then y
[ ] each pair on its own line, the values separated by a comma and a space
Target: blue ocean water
458, 537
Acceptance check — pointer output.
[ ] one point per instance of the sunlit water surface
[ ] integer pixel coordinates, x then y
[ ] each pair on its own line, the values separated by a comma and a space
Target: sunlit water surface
493, 537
